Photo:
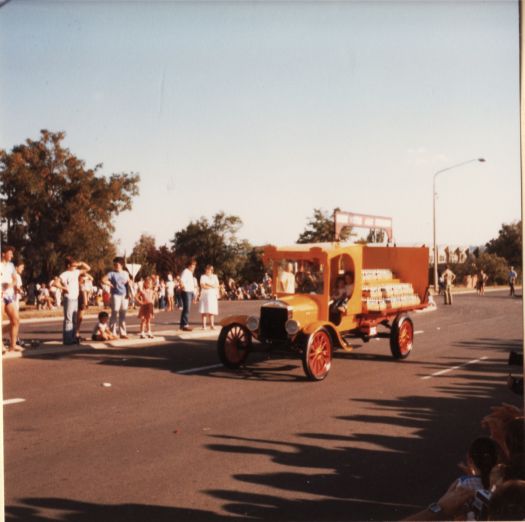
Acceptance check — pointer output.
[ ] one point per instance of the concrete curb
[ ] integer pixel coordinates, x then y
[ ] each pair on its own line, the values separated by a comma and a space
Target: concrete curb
162, 337
462, 291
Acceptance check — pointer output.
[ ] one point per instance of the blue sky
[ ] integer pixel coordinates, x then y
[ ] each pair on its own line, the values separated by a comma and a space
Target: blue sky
268, 110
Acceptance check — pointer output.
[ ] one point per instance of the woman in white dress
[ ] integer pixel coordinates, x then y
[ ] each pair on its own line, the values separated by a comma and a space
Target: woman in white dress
209, 306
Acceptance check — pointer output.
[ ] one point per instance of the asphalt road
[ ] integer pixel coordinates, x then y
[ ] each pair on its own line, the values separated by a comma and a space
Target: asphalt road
377, 440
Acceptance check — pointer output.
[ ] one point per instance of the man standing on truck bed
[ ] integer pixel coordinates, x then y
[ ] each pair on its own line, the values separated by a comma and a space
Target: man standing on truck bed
286, 281
448, 277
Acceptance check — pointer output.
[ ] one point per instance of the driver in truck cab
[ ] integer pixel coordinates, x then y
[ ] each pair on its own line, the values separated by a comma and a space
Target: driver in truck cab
286, 281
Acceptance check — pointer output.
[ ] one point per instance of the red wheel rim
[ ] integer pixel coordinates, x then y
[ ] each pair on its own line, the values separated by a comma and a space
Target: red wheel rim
236, 344
320, 354
405, 337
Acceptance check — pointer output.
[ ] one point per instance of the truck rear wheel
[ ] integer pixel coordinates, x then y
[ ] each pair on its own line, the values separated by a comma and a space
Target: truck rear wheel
402, 336
234, 345
317, 355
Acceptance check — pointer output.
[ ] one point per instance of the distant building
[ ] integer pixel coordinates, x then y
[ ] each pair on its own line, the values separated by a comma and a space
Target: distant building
449, 254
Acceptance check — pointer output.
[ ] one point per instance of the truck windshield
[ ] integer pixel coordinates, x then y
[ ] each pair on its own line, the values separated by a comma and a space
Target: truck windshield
300, 276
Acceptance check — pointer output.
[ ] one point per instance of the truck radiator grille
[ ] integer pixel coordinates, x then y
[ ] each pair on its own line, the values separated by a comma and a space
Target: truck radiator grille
271, 326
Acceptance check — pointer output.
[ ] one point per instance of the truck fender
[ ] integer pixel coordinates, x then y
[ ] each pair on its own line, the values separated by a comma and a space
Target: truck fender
336, 337
241, 319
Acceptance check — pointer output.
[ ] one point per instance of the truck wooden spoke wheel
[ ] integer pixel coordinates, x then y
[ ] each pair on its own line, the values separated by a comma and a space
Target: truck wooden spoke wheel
402, 336
317, 355
234, 345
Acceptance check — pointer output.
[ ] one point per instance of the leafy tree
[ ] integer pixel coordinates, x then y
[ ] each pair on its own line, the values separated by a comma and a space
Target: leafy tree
253, 269
52, 205
213, 242
153, 260
494, 266
166, 261
508, 244
321, 228
144, 253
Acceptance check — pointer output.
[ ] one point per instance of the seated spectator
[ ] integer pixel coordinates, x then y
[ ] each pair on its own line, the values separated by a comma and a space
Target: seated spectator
483, 454
44, 299
261, 292
102, 332
491, 490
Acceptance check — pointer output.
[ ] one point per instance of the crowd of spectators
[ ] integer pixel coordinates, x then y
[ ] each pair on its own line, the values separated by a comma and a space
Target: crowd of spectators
75, 290
167, 292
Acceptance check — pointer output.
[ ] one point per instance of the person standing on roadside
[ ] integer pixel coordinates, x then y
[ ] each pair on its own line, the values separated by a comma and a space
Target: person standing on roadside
69, 284
118, 282
209, 306
19, 287
512, 280
19, 291
170, 293
448, 277
188, 288
83, 300
482, 280
9, 281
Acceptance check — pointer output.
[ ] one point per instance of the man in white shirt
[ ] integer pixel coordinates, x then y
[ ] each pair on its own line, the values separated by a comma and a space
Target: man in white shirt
188, 288
448, 277
286, 281
68, 283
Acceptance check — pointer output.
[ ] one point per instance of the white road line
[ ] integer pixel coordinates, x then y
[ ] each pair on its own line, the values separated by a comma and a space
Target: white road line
453, 368
202, 368
13, 401
419, 332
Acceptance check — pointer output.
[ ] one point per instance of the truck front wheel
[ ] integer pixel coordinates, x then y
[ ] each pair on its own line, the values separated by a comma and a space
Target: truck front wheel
317, 355
234, 345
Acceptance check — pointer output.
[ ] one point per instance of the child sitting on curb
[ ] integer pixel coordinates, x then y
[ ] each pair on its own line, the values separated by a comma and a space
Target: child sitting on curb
101, 332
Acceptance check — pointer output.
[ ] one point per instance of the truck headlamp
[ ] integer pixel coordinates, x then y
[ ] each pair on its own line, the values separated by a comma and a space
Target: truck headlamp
292, 326
252, 323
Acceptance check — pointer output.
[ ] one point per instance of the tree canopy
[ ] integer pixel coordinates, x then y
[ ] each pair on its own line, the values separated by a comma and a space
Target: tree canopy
321, 228
161, 260
52, 205
508, 244
213, 242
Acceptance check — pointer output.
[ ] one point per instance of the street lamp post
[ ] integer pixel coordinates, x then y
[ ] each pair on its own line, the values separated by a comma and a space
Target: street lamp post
434, 193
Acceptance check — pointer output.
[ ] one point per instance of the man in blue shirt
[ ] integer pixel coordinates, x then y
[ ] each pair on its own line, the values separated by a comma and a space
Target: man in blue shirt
118, 281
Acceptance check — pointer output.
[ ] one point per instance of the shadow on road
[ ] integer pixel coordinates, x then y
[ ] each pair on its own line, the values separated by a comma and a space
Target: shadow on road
66, 510
371, 473
493, 343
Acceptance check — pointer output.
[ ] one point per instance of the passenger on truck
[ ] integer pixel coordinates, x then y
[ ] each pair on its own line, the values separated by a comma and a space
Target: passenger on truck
349, 283
286, 281
339, 299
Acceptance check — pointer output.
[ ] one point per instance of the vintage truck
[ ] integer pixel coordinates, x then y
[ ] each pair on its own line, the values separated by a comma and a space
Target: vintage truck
383, 284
